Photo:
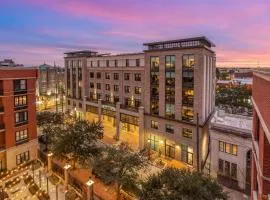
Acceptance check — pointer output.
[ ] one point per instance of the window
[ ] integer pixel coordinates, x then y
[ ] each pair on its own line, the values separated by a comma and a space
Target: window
19, 85
127, 62
107, 75
20, 101
137, 77
98, 63
228, 148
138, 90
99, 86
107, 87
91, 74
126, 76
127, 89
98, 75
21, 135
116, 88
92, 85
187, 154
137, 103
21, 117
187, 113
188, 61
116, 76
170, 62
22, 157
137, 62
187, 132
169, 110
107, 63
154, 124
154, 62
227, 169
169, 128
116, 63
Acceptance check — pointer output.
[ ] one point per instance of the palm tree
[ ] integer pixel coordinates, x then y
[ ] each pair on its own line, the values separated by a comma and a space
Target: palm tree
176, 184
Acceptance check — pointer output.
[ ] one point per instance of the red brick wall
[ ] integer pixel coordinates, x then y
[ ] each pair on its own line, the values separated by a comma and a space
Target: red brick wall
8, 102
261, 95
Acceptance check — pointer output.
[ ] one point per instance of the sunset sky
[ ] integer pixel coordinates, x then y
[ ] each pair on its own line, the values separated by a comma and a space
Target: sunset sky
36, 31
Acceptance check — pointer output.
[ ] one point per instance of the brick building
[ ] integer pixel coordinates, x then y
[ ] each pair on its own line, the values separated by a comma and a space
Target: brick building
261, 136
18, 133
152, 98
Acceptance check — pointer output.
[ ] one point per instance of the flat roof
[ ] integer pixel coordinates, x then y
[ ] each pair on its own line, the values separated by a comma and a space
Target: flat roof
202, 38
230, 123
80, 52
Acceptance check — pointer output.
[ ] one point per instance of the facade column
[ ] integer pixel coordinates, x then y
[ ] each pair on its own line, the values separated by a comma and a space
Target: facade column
49, 160
66, 169
117, 121
141, 127
90, 190
99, 109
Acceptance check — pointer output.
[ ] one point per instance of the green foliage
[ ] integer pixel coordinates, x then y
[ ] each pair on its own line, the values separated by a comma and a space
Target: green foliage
49, 119
119, 166
78, 140
234, 97
175, 184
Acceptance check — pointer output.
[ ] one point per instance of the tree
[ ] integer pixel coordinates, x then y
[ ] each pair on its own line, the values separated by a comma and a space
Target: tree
119, 166
78, 140
49, 119
176, 184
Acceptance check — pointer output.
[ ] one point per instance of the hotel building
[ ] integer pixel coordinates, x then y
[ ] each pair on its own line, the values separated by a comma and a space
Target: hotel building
161, 98
18, 133
261, 136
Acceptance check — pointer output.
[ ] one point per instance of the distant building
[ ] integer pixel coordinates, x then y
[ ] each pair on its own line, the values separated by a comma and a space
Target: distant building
49, 79
18, 137
261, 136
231, 146
9, 63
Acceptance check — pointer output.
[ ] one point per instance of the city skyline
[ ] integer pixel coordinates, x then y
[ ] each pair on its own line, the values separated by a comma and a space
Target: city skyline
34, 32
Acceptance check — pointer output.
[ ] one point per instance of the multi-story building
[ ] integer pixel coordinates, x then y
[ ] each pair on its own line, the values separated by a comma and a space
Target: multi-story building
164, 96
261, 136
18, 133
50, 78
231, 153
9, 63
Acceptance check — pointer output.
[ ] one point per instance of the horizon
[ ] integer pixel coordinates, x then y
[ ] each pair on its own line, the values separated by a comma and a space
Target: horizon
38, 31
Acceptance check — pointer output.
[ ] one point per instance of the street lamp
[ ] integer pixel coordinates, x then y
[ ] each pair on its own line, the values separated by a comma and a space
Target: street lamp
90, 191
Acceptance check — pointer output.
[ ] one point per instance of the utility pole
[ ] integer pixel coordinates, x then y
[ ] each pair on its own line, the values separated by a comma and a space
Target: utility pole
198, 143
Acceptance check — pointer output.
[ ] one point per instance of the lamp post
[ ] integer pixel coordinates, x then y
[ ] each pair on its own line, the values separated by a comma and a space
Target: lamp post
90, 190
39, 174
56, 191
33, 170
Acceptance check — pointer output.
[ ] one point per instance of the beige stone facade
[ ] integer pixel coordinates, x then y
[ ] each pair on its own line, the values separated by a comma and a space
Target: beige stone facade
91, 90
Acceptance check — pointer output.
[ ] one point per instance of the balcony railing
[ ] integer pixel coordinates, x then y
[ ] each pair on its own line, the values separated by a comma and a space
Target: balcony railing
20, 107
20, 91
128, 107
108, 103
21, 123
91, 100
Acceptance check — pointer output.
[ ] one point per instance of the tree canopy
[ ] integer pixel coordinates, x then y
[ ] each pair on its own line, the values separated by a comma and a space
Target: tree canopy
119, 165
175, 184
49, 118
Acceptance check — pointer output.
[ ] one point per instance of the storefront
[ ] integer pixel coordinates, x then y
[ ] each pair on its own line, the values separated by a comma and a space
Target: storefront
129, 123
108, 115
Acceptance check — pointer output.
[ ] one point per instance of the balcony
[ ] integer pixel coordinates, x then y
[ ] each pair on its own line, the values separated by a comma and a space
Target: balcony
108, 103
21, 123
22, 141
91, 100
20, 107
129, 107
20, 91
